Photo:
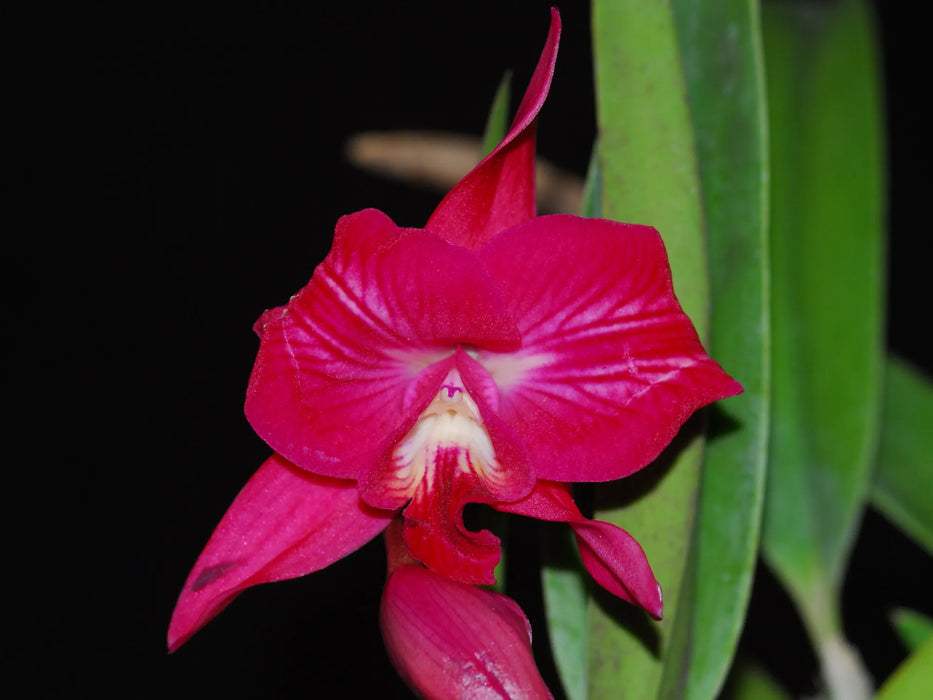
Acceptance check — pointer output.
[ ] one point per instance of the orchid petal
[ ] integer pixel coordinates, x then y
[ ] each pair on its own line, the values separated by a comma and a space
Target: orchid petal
500, 191
618, 563
612, 556
333, 365
451, 640
610, 366
284, 523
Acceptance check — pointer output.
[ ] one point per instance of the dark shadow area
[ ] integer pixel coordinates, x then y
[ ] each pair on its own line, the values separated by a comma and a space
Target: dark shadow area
775, 639
886, 571
719, 421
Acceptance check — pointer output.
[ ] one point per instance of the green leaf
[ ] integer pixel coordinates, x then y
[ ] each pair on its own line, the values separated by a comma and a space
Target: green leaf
751, 682
649, 175
913, 679
827, 301
564, 584
914, 628
721, 52
497, 122
904, 473
592, 206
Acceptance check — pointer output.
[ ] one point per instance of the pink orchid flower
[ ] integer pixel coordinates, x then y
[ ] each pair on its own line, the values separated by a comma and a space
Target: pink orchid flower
491, 357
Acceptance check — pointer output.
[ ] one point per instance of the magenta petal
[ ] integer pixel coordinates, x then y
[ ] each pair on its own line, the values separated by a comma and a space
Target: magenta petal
500, 191
612, 556
284, 523
618, 563
329, 382
451, 640
610, 366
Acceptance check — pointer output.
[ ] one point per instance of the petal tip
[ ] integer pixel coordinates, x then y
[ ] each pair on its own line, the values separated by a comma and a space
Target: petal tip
655, 607
732, 388
178, 633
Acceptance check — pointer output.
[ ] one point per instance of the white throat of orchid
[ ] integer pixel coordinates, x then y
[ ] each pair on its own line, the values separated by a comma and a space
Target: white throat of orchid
449, 436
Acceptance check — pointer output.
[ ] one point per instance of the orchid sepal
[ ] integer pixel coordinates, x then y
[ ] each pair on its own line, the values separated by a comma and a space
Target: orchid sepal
612, 556
284, 523
500, 191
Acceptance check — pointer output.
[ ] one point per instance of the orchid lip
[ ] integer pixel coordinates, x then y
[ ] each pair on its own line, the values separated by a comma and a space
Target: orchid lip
451, 422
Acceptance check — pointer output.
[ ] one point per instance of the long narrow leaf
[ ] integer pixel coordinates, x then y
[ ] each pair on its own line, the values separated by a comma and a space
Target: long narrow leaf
649, 175
827, 303
720, 45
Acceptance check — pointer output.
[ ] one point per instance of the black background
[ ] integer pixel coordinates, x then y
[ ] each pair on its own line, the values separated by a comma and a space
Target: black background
176, 170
